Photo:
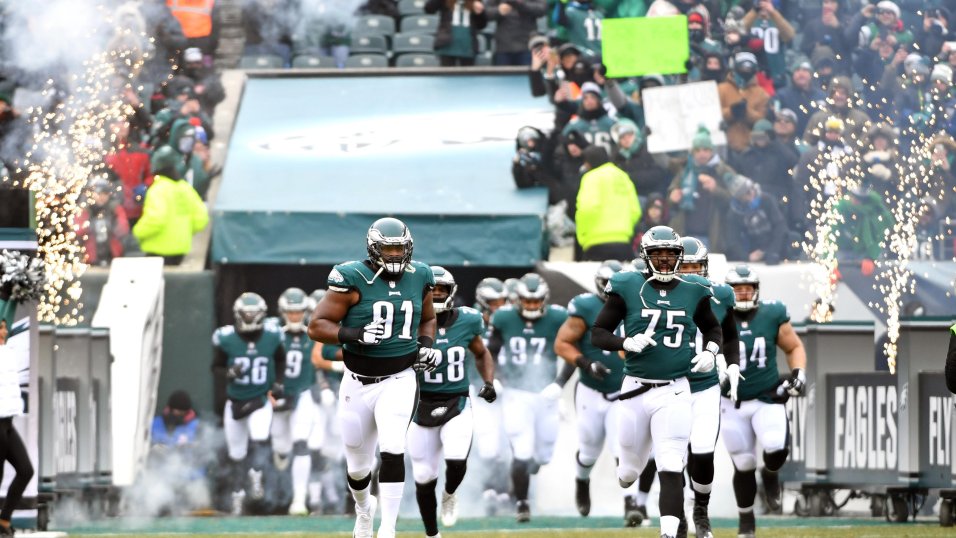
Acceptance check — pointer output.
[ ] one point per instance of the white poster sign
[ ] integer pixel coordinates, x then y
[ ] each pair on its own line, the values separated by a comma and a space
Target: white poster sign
675, 113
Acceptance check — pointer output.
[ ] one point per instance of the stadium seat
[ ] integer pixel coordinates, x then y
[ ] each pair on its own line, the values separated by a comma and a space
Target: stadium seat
417, 60
366, 61
405, 43
380, 25
261, 61
483, 58
543, 25
312, 61
422, 24
483, 43
368, 44
489, 29
411, 7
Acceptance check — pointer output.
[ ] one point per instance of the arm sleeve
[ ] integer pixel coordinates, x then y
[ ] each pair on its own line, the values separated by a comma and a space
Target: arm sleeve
564, 374
494, 342
951, 361
728, 327
707, 322
602, 333
536, 80
279, 358
615, 94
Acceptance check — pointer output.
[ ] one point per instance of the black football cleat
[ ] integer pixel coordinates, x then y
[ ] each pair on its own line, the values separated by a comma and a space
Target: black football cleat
523, 514
634, 515
582, 496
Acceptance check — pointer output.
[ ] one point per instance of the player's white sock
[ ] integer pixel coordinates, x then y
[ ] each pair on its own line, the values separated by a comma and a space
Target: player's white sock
361, 497
389, 499
669, 525
301, 467
641, 498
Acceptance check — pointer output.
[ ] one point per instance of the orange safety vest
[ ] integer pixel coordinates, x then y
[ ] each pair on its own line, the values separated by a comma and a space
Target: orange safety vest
195, 16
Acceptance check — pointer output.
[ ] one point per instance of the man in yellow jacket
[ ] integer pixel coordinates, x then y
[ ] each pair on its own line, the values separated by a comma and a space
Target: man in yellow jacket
172, 212
607, 209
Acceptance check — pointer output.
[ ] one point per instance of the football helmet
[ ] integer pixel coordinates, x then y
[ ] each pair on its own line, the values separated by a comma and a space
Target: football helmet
603, 274
511, 287
293, 301
315, 297
740, 275
488, 290
445, 279
389, 232
249, 311
531, 288
694, 252
639, 265
660, 238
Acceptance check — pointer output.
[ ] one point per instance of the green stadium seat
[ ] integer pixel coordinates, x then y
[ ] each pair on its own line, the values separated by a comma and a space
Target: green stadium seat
367, 61
483, 58
374, 25
422, 24
261, 61
417, 60
403, 43
311, 61
368, 44
411, 7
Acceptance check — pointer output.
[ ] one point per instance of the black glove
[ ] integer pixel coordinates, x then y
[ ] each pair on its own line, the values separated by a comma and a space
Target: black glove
739, 110
278, 391
487, 392
234, 371
594, 369
797, 382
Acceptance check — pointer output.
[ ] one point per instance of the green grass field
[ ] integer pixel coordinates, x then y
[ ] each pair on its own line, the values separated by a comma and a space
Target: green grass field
542, 527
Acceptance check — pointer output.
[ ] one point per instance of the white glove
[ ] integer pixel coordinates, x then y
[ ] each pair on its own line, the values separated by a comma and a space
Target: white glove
552, 392
722, 368
337, 366
327, 398
705, 360
733, 378
428, 359
639, 342
373, 333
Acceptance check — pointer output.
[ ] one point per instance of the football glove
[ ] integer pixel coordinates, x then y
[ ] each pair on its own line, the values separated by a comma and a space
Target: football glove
278, 391
373, 333
705, 360
595, 369
234, 371
797, 382
639, 342
488, 392
428, 359
552, 392
733, 380
326, 398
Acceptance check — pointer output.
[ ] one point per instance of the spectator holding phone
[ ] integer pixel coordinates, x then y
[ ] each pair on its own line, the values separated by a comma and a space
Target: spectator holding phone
516, 21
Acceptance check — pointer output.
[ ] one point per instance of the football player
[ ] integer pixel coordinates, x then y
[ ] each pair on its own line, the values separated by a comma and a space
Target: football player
595, 395
527, 368
754, 410
328, 360
295, 415
443, 421
660, 313
490, 295
381, 311
705, 387
251, 357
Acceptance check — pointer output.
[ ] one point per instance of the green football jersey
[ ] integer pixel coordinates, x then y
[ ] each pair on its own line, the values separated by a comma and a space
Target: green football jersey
758, 350
584, 29
258, 368
773, 47
451, 375
527, 360
299, 371
722, 305
399, 303
334, 378
597, 131
668, 314
586, 306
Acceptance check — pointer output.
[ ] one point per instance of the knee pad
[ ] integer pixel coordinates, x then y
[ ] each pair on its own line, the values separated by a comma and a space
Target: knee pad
701, 467
670, 463
775, 460
457, 466
300, 448
393, 468
744, 461
586, 461
360, 482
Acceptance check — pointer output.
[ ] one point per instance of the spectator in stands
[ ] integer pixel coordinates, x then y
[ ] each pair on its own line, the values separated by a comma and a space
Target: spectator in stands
755, 227
800, 96
568, 163
765, 22
12, 131
592, 118
882, 19
168, 39
767, 162
878, 66
177, 426
131, 164
667, 8
935, 31
389, 8
12, 449
654, 213
698, 194
943, 98
607, 209
838, 106
713, 67
456, 42
913, 103
516, 21
199, 20
880, 159
631, 155
529, 167
206, 82
824, 67
183, 138
323, 30
582, 22
941, 172
268, 28
785, 132
827, 31
102, 225
131, 40
173, 211
544, 63
816, 171
184, 103
863, 223
742, 101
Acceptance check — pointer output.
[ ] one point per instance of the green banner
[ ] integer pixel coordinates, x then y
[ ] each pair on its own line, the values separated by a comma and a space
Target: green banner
645, 46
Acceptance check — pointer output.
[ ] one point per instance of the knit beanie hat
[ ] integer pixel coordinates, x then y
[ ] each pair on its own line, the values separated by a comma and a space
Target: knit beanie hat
702, 139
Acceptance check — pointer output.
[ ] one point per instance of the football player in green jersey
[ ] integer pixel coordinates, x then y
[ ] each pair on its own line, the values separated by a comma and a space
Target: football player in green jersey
490, 295
251, 357
755, 410
595, 395
661, 313
443, 421
295, 416
381, 311
705, 387
527, 369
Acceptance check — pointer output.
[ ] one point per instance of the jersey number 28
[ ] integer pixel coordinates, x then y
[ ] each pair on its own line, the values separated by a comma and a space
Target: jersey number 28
455, 369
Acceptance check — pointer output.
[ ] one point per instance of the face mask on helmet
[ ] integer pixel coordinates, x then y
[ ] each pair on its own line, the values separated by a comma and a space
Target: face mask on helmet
443, 295
694, 260
746, 286
390, 245
533, 294
490, 294
662, 250
249, 311
293, 308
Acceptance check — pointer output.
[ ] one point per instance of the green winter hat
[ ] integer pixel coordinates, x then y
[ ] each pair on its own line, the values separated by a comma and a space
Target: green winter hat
763, 126
702, 139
